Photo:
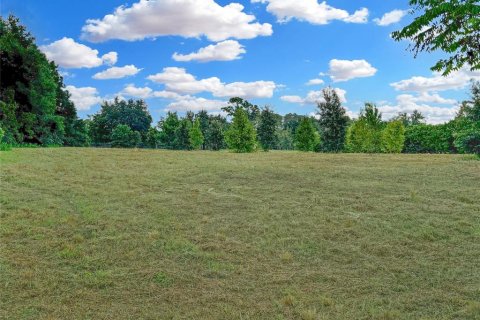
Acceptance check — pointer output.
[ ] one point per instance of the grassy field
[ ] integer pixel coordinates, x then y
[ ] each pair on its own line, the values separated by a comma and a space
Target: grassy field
138, 234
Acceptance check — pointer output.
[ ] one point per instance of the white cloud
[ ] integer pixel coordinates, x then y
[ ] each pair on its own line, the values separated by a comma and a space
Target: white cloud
84, 98
131, 91
344, 70
186, 18
311, 11
178, 80
314, 97
390, 17
196, 104
455, 80
110, 58
408, 103
223, 51
117, 72
69, 54
314, 82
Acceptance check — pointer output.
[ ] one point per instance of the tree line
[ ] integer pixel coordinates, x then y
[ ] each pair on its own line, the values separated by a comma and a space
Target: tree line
36, 109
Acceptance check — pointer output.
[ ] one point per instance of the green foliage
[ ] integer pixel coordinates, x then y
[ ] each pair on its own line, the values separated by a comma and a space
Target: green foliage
204, 119
196, 135
285, 140
124, 137
450, 26
333, 121
393, 137
365, 134
133, 113
3, 146
182, 135
152, 139
267, 129
253, 111
241, 136
427, 138
410, 120
307, 137
468, 141
215, 135
168, 127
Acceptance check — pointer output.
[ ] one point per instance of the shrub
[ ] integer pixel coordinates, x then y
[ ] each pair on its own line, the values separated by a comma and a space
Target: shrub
124, 137
3, 146
468, 141
241, 136
195, 135
362, 137
393, 137
427, 138
307, 137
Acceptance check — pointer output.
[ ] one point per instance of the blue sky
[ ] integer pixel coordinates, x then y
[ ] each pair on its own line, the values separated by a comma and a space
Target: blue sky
266, 51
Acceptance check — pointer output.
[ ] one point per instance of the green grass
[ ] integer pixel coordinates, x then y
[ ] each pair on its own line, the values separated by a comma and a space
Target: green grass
138, 234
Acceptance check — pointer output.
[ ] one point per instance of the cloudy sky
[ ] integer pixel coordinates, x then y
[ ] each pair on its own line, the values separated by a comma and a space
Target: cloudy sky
195, 54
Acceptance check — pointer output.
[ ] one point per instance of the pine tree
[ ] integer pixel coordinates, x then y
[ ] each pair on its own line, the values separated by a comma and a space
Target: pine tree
333, 121
195, 135
241, 136
306, 137
267, 129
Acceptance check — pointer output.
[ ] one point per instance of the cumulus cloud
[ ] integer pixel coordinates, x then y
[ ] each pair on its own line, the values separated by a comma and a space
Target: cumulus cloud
110, 58
196, 104
314, 97
131, 91
344, 70
178, 80
314, 82
455, 80
223, 51
84, 98
311, 11
186, 18
69, 54
117, 72
390, 17
433, 114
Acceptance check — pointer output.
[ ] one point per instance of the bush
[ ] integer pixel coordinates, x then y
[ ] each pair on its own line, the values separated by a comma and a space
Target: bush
124, 137
307, 137
393, 137
468, 141
427, 138
195, 135
3, 146
362, 137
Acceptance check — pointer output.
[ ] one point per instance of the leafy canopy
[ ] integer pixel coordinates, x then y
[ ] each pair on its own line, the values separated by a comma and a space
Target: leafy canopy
450, 26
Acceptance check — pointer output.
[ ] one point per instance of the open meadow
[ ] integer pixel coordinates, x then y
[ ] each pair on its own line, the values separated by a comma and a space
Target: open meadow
146, 234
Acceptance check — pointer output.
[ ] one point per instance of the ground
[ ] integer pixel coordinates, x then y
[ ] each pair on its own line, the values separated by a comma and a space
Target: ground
138, 234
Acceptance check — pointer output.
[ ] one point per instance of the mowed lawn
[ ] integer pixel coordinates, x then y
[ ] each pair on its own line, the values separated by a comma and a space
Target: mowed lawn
139, 234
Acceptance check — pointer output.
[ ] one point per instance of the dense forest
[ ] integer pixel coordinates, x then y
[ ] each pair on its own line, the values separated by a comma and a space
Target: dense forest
36, 110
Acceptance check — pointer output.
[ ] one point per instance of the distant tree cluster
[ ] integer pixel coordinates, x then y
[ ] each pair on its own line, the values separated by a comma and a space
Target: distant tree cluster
36, 109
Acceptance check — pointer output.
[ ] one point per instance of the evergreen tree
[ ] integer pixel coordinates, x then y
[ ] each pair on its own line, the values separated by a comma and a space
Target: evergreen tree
168, 127
215, 135
307, 137
241, 136
267, 129
204, 119
333, 121
182, 135
195, 135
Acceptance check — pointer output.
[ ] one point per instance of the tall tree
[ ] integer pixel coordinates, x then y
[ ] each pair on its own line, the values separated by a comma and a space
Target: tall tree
182, 135
168, 127
450, 26
241, 136
215, 135
306, 137
202, 116
253, 111
267, 129
333, 121
195, 135
133, 113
